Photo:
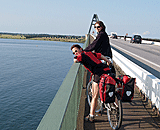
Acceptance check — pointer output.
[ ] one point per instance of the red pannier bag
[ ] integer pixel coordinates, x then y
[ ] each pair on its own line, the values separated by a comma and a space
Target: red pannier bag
127, 84
107, 89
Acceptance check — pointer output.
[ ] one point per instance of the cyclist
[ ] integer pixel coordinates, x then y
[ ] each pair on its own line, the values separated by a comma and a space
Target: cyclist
125, 37
92, 62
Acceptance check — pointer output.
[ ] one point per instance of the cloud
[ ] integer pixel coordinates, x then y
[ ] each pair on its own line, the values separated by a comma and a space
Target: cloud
135, 33
146, 33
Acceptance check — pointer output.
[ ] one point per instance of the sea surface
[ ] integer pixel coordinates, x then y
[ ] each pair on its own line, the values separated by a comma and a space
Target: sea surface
31, 73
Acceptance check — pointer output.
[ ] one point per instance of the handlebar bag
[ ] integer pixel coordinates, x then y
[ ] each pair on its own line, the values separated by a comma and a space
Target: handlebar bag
127, 84
107, 89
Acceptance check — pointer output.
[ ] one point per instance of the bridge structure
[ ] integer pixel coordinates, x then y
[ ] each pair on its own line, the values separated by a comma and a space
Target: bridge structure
68, 108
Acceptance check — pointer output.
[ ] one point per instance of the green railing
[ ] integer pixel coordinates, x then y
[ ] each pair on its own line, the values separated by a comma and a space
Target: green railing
62, 112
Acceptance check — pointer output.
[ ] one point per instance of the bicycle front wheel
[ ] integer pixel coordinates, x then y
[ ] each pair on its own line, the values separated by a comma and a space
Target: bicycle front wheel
115, 113
89, 97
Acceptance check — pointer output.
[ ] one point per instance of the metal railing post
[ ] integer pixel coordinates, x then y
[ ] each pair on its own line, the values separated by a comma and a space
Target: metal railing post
94, 20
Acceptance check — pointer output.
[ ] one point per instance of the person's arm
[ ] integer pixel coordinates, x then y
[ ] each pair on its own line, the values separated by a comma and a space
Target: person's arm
94, 45
77, 59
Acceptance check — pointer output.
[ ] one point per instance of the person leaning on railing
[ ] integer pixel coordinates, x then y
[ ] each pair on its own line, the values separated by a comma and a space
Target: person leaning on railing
92, 62
101, 43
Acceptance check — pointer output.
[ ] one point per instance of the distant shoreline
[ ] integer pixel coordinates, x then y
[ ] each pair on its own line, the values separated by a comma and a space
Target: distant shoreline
61, 38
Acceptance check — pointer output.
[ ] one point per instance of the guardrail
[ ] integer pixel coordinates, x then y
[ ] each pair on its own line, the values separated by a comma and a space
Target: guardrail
146, 41
147, 83
62, 112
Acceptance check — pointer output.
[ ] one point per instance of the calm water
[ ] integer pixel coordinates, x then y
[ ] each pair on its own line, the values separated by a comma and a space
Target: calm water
31, 73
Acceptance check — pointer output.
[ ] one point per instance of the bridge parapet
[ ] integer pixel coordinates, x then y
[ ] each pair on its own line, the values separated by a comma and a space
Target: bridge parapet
62, 112
148, 84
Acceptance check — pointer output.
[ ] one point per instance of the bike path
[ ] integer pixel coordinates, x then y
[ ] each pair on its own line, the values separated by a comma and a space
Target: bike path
135, 116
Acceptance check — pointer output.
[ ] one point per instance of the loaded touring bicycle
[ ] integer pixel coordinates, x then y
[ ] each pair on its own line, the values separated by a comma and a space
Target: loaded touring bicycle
112, 92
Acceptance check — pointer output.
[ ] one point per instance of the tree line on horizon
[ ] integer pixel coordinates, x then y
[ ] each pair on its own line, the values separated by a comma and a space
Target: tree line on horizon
43, 35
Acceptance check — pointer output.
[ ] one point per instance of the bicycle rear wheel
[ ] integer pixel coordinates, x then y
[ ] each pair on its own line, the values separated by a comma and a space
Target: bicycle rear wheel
89, 97
115, 113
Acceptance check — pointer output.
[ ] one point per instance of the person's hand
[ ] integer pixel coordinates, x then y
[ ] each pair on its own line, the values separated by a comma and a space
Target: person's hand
108, 62
75, 60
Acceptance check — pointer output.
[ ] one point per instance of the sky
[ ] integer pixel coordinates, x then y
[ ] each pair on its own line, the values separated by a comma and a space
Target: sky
73, 17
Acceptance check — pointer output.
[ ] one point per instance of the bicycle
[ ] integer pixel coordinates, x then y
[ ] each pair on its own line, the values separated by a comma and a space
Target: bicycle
114, 110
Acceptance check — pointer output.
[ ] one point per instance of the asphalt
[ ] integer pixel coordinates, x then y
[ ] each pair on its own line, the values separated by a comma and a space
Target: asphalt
139, 114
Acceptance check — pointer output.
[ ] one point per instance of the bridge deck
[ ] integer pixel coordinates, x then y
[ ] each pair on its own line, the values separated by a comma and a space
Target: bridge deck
135, 116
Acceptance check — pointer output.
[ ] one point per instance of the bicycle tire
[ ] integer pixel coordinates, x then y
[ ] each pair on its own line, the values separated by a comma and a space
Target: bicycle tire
89, 97
115, 113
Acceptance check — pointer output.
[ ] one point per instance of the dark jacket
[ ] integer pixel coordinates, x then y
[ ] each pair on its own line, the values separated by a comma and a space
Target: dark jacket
101, 45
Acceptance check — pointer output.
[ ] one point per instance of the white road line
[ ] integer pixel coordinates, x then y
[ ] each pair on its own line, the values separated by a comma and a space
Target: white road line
135, 55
